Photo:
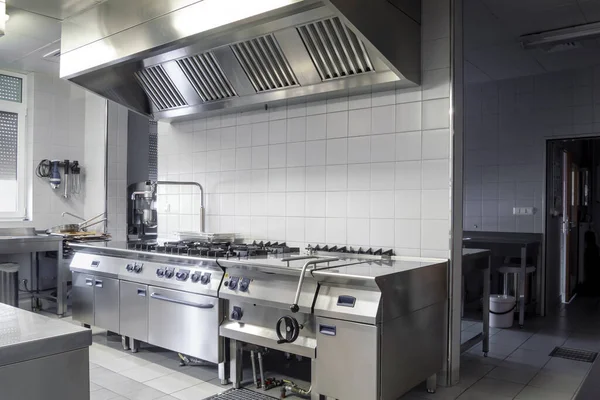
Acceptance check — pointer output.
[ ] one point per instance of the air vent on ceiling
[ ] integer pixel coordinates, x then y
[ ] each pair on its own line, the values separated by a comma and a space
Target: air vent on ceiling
206, 76
159, 88
264, 63
335, 49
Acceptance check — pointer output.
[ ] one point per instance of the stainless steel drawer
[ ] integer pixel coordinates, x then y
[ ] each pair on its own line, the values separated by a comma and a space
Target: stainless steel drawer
184, 322
133, 305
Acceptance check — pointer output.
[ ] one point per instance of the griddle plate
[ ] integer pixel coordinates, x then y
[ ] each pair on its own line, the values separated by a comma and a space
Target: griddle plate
240, 394
574, 354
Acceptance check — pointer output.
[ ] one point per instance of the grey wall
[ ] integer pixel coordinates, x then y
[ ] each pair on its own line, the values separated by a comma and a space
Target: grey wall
137, 148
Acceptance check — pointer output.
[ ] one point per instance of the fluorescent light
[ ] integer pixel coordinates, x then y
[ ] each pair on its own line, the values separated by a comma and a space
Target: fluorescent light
563, 35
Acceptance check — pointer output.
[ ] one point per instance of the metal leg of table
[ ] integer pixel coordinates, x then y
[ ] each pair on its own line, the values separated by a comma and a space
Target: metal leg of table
521, 294
486, 307
314, 394
61, 283
235, 363
125, 342
432, 383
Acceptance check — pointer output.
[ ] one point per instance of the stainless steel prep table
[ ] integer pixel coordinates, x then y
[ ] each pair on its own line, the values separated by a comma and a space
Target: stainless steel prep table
54, 352
470, 258
504, 243
27, 240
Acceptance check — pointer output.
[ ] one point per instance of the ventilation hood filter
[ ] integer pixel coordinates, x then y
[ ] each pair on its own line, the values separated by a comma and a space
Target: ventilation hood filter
183, 58
264, 63
334, 49
159, 88
206, 76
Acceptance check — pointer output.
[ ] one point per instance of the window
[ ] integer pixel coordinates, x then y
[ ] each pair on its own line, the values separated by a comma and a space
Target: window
13, 111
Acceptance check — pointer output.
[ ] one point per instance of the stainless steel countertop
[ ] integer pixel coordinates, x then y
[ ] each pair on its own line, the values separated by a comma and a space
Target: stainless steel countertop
14, 242
357, 267
25, 335
349, 265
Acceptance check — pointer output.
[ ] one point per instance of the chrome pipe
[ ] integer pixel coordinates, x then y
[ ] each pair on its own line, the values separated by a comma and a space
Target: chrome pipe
175, 183
262, 371
253, 368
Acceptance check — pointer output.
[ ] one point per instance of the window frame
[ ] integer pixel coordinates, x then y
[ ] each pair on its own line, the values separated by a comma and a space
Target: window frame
22, 152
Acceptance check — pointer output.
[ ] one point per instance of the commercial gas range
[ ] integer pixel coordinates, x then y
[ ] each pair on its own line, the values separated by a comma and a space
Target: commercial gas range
371, 324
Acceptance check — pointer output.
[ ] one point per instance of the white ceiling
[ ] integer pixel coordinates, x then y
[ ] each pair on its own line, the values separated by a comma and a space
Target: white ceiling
492, 29
33, 31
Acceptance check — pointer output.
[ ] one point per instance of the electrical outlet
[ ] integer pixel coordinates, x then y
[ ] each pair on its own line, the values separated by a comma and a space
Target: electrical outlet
523, 211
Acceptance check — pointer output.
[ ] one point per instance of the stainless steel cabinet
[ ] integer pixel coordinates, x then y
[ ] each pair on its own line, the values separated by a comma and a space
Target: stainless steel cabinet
106, 303
184, 322
82, 296
133, 307
347, 352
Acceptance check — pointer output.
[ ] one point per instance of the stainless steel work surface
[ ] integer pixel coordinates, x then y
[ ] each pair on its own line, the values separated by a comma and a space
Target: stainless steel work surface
26, 240
25, 336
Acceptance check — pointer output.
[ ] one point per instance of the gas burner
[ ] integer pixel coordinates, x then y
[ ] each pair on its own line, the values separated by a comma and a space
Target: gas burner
352, 250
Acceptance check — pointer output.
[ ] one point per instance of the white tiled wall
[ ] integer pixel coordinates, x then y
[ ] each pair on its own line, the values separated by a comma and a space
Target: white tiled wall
369, 170
507, 125
117, 171
56, 117
95, 156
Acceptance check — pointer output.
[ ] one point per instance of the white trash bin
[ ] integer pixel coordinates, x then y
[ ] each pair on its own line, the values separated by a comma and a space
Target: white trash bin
502, 310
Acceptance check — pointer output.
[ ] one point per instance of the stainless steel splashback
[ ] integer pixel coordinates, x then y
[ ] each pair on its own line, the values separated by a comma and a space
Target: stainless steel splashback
174, 58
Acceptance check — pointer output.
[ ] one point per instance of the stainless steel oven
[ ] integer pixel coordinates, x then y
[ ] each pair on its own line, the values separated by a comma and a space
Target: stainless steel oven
185, 322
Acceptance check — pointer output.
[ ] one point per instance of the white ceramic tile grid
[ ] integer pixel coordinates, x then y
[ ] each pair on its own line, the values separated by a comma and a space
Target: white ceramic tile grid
332, 171
506, 126
117, 169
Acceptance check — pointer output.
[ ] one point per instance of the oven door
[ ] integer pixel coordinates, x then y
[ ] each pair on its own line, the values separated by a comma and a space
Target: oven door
184, 322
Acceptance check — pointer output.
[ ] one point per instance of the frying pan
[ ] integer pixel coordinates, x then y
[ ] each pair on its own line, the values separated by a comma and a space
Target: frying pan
69, 228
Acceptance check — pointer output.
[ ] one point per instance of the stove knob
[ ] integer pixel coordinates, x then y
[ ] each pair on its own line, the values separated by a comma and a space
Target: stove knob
237, 313
160, 272
181, 276
244, 283
195, 277
233, 283
226, 283
129, 267
169, 273
137, 268
205, 279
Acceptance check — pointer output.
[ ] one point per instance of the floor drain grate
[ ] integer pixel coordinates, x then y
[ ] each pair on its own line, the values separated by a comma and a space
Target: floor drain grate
574, 354
240, 394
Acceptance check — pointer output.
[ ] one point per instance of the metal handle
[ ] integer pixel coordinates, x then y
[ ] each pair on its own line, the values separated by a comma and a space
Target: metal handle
99, 283
89, 282
158, 296
141, 292
294, 307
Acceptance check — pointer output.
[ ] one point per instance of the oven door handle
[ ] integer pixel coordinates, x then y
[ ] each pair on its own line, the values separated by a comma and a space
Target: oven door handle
158, 296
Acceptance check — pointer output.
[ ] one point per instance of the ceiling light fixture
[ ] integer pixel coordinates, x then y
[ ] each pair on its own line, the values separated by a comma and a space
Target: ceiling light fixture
563, 35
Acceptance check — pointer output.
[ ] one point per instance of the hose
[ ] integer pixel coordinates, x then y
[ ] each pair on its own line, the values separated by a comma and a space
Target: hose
43, 169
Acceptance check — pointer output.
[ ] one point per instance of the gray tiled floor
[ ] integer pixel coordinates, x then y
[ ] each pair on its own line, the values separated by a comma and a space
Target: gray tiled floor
518, 366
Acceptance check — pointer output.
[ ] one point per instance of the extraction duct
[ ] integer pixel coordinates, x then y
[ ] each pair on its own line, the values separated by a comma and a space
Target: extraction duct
184, 57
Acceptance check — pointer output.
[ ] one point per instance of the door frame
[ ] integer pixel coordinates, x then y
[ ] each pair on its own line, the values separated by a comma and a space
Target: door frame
547, 143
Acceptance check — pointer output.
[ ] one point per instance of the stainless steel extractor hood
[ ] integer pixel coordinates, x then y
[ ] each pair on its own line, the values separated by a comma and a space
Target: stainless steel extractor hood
172, 58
